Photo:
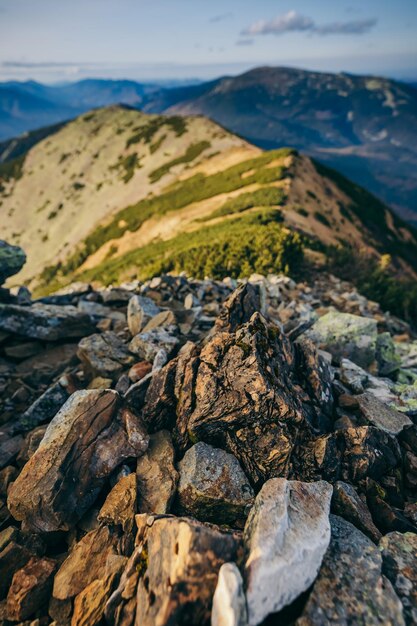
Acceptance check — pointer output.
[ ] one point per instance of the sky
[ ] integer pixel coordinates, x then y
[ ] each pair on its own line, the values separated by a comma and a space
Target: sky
66, 40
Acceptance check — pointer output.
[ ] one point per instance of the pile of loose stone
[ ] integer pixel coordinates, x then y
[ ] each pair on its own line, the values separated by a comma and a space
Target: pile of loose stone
192, 452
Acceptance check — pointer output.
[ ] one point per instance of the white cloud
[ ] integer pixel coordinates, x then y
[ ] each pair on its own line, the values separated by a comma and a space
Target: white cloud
296, 22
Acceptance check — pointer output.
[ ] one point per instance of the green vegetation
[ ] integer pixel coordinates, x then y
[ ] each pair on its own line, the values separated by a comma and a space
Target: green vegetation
78, 186
376, 280
193, 189
12, 170
321, 218
264, 197
193, 151
157, 144
250, 243
128, 164
302, 211
373, 215
146, 132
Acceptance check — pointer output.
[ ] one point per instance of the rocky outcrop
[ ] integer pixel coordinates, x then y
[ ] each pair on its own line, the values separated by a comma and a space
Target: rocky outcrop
84, 443
350, 587
12, 259
286, 537
212, 486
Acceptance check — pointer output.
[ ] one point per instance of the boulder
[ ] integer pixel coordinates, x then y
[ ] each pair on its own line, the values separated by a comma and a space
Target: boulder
399, 565
140, 311
350, 588
104, 355
47, 322
12, 259
229, 601
346, 336
178, 579
87, 439
146, 345
30, 588
213, 486
156, 475
286, 536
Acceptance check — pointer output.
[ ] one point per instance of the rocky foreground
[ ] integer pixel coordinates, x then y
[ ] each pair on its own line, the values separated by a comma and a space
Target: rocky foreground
186, 452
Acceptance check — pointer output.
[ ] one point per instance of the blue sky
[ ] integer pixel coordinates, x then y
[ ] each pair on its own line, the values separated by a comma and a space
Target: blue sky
53, 40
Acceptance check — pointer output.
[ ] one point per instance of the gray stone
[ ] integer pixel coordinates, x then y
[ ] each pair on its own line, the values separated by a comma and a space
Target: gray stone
104, 355
375, 413
346, 335
213, 486
48, 322
229, 601
387, 358
350, 588
286, 536
399, 564
139, 311
12, 259
147, 345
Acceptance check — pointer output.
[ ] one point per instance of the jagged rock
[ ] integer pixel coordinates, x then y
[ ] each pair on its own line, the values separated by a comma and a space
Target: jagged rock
12, 558
358, 381
7, 535
179, 577
376, 413
346, 335
47, 322
9, 449
351, 455
104, 355
156, 475
83, 444
147, 344
229, 601
30, 588
350, 588
347, 504
286, 536
139, 311
90, 603
387, 517
242, 393
121, 503
399, 565
12, 259
85, 563
239, 308
212, 486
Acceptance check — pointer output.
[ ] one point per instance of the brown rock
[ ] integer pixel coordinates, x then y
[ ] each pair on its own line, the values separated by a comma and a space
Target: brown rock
347, 503
30, 588
179, 576
156, 475
12, 558
7, 476
83, 444
120, 505
139, 371
85, 563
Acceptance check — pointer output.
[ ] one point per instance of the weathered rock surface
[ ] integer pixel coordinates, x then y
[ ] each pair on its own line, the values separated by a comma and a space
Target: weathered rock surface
347, 504
286, 536
104, 355
377, 413
399, 565
12, 259
346, 335
47, 322
156, 475
212, 486
83, 444
139, 311
229, 601
350, 588
85, 563
146, 345
30, 588
180, 575
120, 506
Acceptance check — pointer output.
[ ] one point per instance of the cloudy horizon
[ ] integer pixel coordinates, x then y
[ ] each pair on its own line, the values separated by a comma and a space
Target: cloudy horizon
176, 39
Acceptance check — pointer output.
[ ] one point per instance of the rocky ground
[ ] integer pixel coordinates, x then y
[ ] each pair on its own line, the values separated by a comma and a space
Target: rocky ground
186, 452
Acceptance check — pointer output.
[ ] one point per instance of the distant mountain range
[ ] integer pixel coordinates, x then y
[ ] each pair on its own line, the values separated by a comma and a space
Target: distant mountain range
364, 126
